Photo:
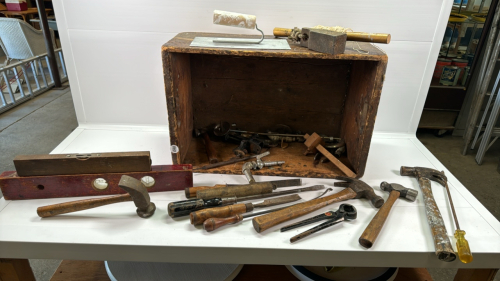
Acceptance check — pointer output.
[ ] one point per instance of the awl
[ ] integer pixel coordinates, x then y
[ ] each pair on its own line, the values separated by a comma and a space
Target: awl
185, 207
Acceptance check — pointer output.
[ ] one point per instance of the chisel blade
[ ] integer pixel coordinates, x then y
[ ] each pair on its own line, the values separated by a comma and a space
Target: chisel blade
279, 183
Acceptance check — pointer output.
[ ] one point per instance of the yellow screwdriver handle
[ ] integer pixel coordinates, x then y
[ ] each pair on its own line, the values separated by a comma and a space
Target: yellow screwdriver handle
463, 249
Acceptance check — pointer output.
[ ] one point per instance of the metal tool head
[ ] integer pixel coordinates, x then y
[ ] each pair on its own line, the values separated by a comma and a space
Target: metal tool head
361, 189
348, 212
422, 172
139, 194
404, 192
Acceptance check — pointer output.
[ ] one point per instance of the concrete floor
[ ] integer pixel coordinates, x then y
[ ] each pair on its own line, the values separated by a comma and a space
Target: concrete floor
39, 125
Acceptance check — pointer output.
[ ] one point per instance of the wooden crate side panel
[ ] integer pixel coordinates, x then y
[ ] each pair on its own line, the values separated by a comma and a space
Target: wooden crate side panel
257, 93
360, 110
177, 75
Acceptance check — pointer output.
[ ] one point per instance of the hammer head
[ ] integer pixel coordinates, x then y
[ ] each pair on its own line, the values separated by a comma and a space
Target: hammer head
421, 172
140, 195
404, 192
361, 189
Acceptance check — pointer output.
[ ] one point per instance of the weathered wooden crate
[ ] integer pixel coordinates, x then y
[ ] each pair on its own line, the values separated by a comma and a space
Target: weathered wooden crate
256, 89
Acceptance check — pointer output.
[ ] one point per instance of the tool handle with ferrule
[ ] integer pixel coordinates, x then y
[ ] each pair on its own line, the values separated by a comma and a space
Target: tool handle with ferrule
373, 229
198, 217
269, 220
212, 224
191, 191
80, 205
237, 190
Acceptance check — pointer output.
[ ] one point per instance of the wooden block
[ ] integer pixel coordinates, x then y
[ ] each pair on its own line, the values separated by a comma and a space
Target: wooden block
324, 41
80, 271
90, 163
16, 270
166, 178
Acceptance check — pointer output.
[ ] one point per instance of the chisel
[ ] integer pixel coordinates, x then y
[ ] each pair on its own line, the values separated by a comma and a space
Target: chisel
212, 224
191, 191
185, 207
198, 217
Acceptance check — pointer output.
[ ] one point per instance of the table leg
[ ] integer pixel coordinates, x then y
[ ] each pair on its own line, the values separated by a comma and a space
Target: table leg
476, 274
16, 270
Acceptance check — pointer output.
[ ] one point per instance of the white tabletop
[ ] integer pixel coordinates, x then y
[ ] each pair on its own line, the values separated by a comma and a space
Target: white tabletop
115, 232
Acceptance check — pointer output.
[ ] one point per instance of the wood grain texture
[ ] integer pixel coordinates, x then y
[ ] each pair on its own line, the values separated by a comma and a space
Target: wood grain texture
167, 178
198, 217
87, 163
475, 274
16, 270
237, 190
80, 271
212, 224
371, 232
267, 221
257, 89
80, 205
191, 191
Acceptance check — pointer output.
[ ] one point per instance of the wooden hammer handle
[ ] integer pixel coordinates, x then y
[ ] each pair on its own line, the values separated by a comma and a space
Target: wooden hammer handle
383, 38
191, 191
373, 229
267, 221
74, 206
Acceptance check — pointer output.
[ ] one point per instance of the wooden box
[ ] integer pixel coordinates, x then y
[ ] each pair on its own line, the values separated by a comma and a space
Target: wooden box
257, 89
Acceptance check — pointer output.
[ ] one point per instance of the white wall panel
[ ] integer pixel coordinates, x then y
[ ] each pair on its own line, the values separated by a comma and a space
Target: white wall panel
405, 20
113, 49
407, 63
121, 76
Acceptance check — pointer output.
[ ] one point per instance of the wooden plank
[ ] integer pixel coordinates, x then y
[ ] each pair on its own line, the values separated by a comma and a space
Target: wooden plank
180, 44
88, 163
80, 271
16, 270
167, 178
475, 274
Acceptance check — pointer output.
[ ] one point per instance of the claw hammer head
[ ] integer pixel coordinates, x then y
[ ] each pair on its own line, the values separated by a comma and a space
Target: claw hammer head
361, 189
421, 172
139, 194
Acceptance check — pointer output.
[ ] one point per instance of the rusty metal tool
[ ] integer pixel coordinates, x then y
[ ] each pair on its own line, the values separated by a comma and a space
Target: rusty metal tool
444, 250
373, 229
298, 35
198, 217
185, 207
211, 152
345, 212
192, 191
136, 191
315, 143
354, 189
257, 165
212, 224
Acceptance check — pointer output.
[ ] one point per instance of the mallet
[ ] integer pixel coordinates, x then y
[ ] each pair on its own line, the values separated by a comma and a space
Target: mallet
373, 229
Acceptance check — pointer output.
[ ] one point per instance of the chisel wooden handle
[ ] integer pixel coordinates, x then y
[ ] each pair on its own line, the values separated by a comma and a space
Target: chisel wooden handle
191, 191
211, 152
213, 223
74, 206
373, 229
383, 38
237, 190
269, 220
198, 217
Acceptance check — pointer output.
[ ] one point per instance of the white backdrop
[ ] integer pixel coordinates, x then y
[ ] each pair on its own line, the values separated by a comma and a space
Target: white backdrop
112, 49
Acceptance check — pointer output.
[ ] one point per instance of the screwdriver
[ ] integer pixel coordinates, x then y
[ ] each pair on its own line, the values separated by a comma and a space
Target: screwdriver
198, 217
463, 249
185, 207
212, 224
